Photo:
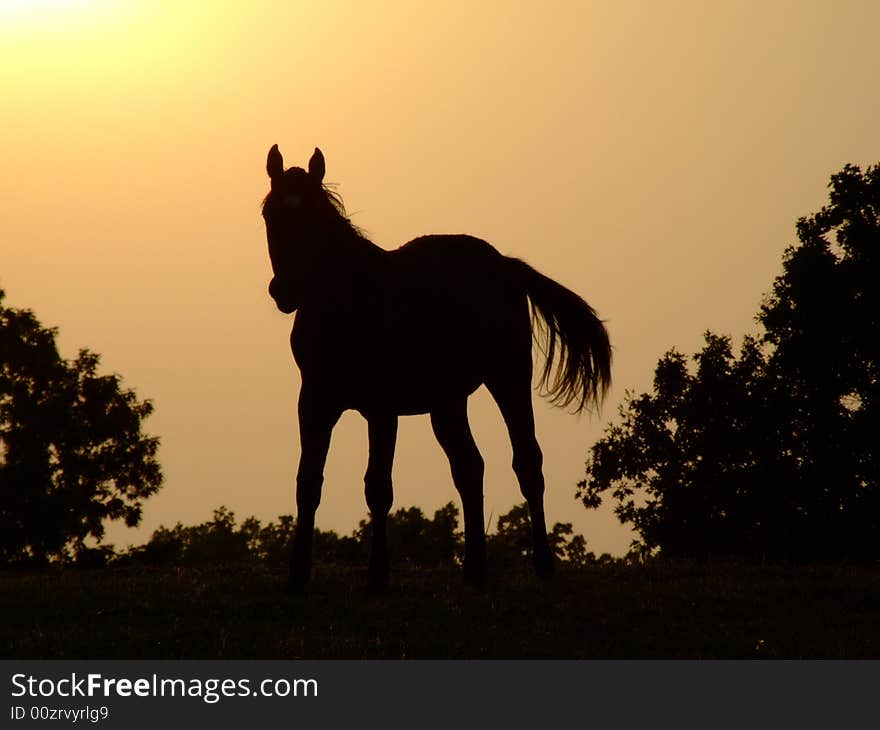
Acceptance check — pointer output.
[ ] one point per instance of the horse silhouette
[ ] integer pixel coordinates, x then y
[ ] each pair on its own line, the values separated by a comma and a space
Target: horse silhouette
411, 331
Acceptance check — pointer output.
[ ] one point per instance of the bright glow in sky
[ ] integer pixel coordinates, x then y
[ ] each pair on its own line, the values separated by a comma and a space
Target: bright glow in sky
652, 156
22, 8
16, 15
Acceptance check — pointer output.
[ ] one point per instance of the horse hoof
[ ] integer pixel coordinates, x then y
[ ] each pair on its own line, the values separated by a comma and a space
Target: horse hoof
297, 580
296, 587
377, 587
545, 566
476, 577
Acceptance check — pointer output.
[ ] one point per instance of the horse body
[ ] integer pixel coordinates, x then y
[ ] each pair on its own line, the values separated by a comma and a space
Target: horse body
417, 330
411, 328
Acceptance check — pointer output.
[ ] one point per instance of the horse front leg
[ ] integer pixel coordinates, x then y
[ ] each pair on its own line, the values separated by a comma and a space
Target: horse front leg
379, 491
316, 421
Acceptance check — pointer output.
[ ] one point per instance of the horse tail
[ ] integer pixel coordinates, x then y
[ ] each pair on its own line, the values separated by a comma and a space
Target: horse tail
577, 368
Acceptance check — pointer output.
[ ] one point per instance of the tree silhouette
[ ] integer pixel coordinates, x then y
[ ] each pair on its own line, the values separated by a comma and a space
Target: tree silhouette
72, 453
219, 540
822, 320
418, 541
773, 451
511, 543
222, 540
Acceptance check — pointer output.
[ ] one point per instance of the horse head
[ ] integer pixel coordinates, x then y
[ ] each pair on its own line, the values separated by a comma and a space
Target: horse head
298, 212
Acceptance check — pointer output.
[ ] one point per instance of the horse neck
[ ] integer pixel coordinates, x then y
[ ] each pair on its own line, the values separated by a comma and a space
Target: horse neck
349, 257
353, 246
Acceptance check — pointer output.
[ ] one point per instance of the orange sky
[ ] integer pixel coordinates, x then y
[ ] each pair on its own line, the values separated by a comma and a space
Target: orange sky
653, 156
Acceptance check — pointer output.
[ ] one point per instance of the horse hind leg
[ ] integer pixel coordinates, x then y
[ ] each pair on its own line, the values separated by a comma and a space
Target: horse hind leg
451, 427
379, 491
514, 398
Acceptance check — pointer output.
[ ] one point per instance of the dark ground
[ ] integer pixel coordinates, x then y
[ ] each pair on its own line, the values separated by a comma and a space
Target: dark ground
606, 611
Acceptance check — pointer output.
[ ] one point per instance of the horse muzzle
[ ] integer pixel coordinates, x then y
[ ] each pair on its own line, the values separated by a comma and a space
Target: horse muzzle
284, 298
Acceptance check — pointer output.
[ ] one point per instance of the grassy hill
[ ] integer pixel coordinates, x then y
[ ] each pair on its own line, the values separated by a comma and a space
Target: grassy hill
241, 611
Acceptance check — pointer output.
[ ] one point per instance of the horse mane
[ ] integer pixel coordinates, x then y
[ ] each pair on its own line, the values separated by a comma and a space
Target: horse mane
342, 218
335, 206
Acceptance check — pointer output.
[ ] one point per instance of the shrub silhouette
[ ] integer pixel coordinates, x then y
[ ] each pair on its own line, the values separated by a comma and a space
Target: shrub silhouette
415, 541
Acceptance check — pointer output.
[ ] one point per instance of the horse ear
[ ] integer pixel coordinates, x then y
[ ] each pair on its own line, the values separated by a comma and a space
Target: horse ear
316, 165
274, 163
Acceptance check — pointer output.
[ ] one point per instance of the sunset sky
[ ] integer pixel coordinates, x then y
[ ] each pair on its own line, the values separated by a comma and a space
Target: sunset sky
652, 156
